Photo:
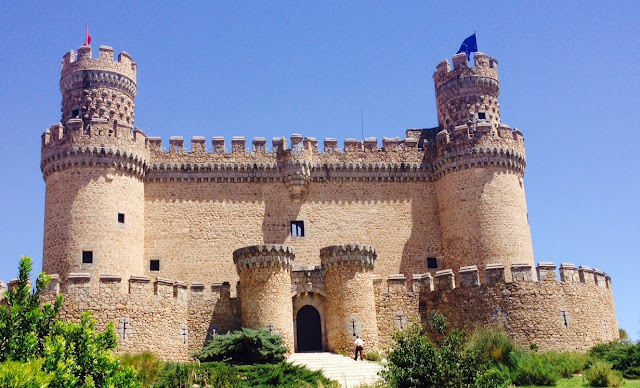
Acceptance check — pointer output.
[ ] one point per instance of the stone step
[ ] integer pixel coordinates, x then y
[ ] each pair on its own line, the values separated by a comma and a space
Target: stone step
345, 370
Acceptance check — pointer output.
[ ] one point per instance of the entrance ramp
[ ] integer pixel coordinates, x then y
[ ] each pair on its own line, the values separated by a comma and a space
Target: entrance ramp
345, 370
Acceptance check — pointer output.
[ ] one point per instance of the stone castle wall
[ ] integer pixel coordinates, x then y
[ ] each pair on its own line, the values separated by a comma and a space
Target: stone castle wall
161, 316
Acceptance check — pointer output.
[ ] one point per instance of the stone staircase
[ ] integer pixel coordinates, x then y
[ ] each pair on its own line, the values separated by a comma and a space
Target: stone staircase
345, 370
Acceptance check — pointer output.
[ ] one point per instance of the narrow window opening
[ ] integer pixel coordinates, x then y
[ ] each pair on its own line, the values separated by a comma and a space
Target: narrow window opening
75, 113
121, 218
154, 265
482, 116
87, 257
432, 262
297, 228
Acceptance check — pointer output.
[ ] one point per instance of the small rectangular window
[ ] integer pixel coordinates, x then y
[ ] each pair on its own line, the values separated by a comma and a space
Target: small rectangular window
121, 218
432, 262
154, 265
87, 257
297, 228
75, 113
482, 116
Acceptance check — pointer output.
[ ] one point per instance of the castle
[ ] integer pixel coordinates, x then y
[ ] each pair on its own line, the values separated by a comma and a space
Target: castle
319, 246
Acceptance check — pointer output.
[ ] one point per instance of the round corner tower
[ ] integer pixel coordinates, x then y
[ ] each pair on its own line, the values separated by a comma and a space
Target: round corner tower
93, 163
479, 169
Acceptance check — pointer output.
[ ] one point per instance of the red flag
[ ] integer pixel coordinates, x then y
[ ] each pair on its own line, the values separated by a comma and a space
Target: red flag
88, 41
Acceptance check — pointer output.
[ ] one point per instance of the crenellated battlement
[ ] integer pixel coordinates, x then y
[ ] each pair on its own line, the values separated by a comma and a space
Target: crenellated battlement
264, 256
81, 283
484, 67
348, 254
496, 275
97, 143
479, 145
392, 149
83, 60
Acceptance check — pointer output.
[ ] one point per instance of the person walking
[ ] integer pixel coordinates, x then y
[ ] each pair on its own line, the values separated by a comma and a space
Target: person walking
359, 344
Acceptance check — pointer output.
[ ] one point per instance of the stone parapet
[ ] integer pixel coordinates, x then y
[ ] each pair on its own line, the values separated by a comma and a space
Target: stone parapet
348, 254
264, 256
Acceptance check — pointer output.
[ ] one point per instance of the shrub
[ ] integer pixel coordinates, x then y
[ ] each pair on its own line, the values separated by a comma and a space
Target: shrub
531, 368
567, 363
221, 375
373, 356
601, 375
491, 343
246, 346
495, 377
624, 357
147, 364
415, 361
15, 374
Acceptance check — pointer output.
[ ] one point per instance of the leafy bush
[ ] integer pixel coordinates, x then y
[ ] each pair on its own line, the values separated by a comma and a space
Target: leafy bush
246, 346
531, 368
373, 356
415, 361
221, 375
495, 377
567, 363
148, 365
601, 375
15, 374
492, 343
624, 357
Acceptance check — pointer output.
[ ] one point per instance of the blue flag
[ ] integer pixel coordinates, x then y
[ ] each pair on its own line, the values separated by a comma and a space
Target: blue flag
469, 46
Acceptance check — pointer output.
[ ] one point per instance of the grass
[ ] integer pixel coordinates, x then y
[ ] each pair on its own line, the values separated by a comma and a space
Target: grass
578, 382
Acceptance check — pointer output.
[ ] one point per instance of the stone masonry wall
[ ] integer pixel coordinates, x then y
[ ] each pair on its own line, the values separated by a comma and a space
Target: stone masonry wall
194, 227
483, 215
565, 315
81, 214
395, 308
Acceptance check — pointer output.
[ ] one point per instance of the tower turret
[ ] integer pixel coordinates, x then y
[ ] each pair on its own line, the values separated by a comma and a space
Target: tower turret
479, 168
98, 87
93, 163
467, 95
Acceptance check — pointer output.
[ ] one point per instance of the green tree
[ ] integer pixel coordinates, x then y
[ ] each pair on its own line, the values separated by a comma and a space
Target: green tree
71, 354
26, 322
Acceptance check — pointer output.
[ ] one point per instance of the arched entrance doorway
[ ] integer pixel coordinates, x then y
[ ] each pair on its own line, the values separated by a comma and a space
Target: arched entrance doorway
309, 329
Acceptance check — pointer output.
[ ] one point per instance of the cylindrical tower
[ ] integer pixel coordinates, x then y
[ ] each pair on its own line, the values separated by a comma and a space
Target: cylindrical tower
479, 166
265, 288
350, 301
93, 163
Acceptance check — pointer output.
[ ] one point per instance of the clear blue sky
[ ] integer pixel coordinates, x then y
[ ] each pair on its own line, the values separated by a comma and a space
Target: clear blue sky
567, 74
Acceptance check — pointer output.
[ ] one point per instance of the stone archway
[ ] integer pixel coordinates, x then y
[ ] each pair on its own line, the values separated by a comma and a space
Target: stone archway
308, 330
309, 308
